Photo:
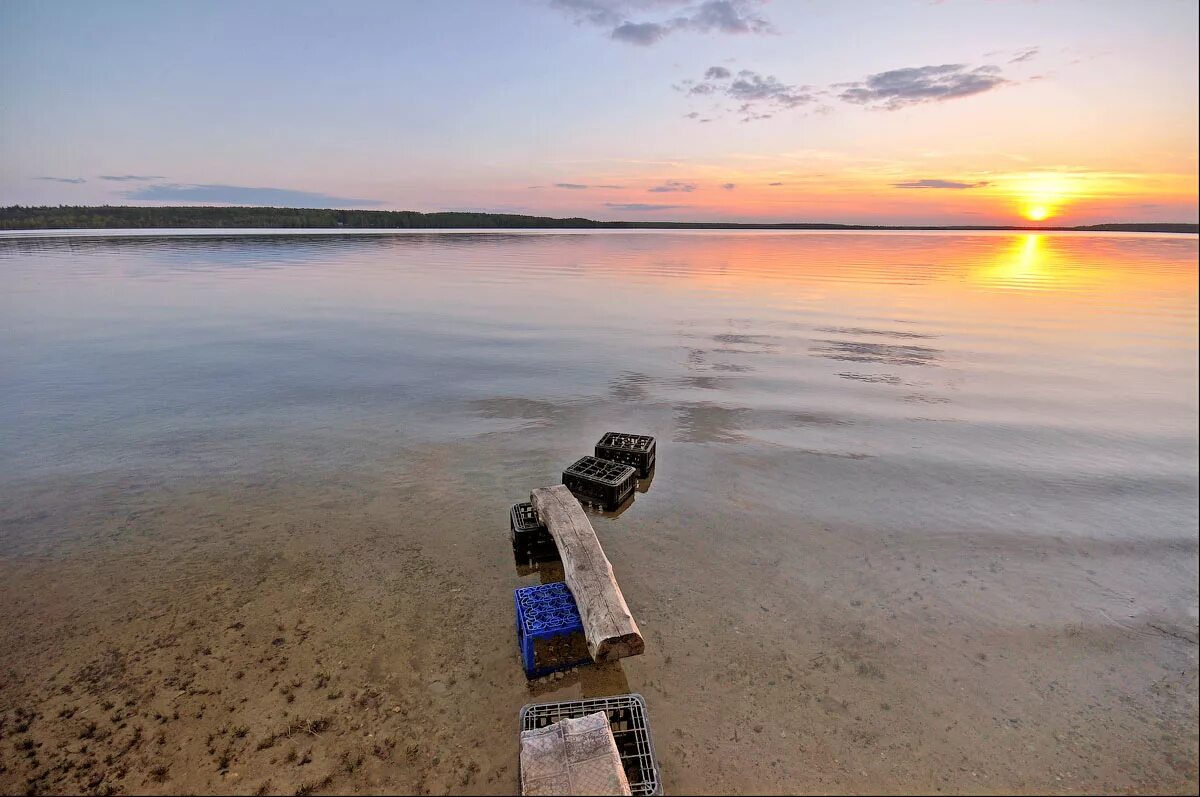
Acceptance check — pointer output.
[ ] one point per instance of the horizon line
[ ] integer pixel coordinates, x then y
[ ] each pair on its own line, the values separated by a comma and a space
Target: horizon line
10, 213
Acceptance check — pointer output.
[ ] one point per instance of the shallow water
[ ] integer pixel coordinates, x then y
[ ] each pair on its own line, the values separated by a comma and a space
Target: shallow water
877, 453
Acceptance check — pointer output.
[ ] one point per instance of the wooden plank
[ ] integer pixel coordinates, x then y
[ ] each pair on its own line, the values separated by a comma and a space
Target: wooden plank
610, 629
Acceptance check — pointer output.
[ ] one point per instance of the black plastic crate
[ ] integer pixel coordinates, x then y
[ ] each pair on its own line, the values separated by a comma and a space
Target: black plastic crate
531, 541
630, 725
637, 450
599, 481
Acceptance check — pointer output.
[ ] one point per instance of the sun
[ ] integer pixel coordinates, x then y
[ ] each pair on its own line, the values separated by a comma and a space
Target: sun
1043, 195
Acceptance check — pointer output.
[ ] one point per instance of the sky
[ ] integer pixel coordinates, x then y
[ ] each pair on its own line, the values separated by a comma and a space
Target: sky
877, 111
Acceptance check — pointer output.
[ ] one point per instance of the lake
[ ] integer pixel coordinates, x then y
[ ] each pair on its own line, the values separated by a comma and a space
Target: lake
924, 516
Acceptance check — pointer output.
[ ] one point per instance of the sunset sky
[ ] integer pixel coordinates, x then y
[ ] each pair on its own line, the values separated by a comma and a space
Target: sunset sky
949, 112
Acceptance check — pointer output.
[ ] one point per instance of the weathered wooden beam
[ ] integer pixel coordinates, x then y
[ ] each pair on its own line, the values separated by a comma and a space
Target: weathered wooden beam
610, 629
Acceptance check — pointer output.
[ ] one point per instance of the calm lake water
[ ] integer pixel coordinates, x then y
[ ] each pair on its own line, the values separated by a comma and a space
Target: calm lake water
947, 462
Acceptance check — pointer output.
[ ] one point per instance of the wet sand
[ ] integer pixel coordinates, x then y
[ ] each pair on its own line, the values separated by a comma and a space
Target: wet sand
335, 637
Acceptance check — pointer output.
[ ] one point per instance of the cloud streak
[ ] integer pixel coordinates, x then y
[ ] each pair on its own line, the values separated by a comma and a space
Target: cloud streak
934, 183
759, 96
1027, 54
673, 186
584, 186
640, 33
71, 180
756, 96
127, 178
670, 16
244, 195
639, 206
900, 88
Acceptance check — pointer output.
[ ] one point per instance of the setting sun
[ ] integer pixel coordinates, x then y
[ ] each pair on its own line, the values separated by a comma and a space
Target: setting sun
1037, 213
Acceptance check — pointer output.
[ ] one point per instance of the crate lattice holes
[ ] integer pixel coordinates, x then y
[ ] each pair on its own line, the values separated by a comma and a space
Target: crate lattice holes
636, 450
600, 481
531, 541
549, 629
630, 725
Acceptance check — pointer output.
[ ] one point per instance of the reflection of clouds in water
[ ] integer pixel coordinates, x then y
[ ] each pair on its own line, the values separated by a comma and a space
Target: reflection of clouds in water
215, 250
762, 343
708, 423
630, 386
519, 408
859, 351
895, 381
634, 386
729, 343
879, 379
704, 382
704, 422
863, 331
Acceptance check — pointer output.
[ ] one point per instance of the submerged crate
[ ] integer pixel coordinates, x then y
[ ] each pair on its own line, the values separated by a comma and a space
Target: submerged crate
630, 725
600, 481
531, 541
549, 629
628, 449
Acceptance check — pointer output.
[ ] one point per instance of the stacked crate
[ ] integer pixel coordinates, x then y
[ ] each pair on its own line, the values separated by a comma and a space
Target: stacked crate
550, 631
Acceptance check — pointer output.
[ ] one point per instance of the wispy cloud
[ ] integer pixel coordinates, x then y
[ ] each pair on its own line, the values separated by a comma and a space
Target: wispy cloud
1028, 54
934, 183
753, 87
584, 186
673, 186
899, 88
71, 180
626, 20
729, 186
774, 183
244, 195
639, 206
757, 96
128, 178
642, 33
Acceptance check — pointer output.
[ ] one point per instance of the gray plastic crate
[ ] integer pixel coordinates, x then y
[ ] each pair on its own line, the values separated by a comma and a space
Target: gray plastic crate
630, 725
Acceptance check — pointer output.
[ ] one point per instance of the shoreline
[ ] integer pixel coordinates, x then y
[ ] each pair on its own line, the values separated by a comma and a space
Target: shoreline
216, 232
17, 217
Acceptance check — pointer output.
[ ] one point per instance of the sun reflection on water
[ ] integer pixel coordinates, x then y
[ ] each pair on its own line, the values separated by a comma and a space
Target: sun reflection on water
1027, 265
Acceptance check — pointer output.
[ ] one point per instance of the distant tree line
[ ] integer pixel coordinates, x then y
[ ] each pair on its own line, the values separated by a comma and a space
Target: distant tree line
85, 217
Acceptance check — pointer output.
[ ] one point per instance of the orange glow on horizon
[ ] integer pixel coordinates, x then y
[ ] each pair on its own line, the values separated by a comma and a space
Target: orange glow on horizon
857, 194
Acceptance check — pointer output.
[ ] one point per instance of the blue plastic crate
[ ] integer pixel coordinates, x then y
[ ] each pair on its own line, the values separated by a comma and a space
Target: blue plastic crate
547, 613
